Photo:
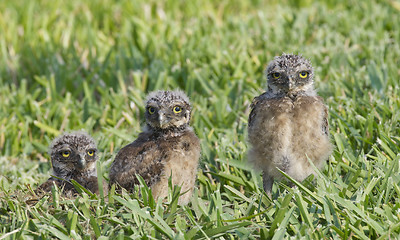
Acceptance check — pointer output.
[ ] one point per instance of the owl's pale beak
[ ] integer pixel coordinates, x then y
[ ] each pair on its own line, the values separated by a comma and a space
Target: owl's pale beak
81, 162
163, 120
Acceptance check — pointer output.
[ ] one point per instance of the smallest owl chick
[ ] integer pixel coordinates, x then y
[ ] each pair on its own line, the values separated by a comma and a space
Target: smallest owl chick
288, 124
168, 147
73, 157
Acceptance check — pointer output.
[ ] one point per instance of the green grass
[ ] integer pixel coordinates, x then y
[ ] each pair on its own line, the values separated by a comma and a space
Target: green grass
69, 65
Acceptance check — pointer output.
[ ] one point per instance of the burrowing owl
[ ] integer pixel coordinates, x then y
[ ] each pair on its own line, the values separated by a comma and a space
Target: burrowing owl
73, 156
288, 123
167, 147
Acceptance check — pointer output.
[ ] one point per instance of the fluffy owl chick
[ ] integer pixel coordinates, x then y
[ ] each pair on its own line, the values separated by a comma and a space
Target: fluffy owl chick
288, 123
167, 147
73, 156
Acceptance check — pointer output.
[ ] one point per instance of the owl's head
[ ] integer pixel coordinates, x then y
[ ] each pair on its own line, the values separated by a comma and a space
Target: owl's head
167, 110
290, 75
73, 153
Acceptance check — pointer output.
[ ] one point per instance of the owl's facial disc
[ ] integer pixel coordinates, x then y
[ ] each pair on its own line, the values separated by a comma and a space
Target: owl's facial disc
291, 80
174, 116
290, 74
167, 116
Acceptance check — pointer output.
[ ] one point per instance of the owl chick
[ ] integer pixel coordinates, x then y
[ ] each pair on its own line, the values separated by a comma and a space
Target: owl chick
73, 156
168, 147
288, 123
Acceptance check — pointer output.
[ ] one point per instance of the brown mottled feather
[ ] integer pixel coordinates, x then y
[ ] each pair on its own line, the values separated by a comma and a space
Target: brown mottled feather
132, 159
288, 123
290, 135
160, 152
155, 159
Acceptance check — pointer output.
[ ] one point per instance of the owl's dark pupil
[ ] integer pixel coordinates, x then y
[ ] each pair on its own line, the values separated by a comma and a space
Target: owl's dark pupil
151, 110
177, 109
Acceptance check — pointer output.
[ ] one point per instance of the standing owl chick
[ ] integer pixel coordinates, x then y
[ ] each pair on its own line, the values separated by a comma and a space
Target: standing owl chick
288, 123
167, 147
73, 157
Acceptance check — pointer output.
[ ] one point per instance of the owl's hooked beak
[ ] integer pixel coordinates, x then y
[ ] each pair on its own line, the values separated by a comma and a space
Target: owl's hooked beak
163, 120
81, 162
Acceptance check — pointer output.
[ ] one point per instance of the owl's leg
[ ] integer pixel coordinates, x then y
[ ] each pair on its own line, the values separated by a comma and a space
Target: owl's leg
267, 182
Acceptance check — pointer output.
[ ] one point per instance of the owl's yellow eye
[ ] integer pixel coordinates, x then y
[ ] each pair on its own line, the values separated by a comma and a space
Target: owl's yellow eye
90, 153
303, 74
151, 110
66, 153
177, 109
276, 75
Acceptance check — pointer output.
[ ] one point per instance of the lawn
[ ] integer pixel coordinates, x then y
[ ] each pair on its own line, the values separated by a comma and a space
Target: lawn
70, 65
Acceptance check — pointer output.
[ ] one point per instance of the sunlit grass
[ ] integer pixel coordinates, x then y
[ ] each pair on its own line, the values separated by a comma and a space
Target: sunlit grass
69, 65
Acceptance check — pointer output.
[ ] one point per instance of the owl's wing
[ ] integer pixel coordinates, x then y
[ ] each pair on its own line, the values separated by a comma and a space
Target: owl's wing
90, 183
46, 186
142, 157
253, 112
325, 124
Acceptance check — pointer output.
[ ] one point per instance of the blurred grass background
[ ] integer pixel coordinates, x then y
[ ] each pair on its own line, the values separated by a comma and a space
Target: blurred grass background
69, 65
